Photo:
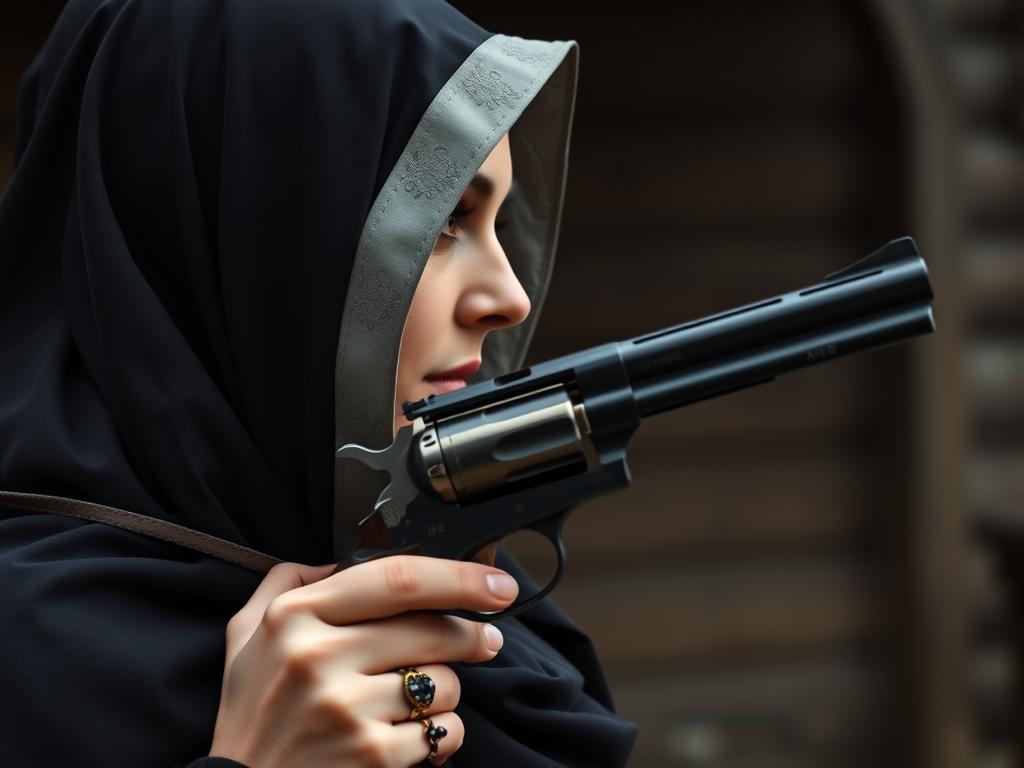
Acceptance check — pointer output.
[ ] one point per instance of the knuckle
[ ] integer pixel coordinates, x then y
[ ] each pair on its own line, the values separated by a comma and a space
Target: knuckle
436, 639
401, 575
468, 580
335, 709
278, 613
303, 662
283, 609
373, 750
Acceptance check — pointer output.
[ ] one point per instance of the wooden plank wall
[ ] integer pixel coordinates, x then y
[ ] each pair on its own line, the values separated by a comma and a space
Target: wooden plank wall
742, 594
986, 51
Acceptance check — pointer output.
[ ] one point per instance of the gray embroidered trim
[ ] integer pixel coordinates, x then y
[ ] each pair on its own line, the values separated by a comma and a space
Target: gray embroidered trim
485, 97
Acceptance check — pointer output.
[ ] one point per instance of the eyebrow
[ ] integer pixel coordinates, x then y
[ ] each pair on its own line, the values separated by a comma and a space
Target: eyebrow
482, 184
485, 186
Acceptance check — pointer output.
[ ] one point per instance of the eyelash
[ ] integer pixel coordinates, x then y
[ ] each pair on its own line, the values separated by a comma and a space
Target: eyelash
459, 213
452, 224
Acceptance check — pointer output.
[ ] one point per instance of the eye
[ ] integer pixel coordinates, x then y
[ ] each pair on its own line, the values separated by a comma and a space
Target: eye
451, 228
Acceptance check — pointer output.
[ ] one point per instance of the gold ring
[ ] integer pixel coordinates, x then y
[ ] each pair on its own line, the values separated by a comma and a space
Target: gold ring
419, 691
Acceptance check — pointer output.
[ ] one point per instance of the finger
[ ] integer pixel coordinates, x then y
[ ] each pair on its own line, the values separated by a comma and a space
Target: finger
412, 745
419, 638
384, 694
399, 583
282, 578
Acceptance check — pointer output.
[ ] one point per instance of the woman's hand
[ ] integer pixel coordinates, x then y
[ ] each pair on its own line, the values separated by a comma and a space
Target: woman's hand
309, 677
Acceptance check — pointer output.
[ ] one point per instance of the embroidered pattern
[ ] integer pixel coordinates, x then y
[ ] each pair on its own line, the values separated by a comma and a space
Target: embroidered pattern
486, 87
430, 175
524, 53
378, 300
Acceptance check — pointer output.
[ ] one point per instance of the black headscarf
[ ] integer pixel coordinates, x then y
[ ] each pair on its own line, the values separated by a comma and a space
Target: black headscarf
194, 183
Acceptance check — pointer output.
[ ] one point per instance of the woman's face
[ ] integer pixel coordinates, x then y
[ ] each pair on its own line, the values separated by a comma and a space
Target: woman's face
467, 290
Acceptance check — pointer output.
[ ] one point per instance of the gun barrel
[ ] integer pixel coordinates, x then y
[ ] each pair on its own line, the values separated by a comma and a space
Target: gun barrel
753, 344
730, 374
882, 299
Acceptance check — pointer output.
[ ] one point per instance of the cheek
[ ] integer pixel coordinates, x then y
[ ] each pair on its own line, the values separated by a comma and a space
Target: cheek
425, 329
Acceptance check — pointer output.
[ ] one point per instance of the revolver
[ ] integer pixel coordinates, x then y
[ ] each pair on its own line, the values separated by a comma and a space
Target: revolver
519, 451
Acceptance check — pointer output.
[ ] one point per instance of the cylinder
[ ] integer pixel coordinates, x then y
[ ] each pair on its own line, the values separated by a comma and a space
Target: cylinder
510, 444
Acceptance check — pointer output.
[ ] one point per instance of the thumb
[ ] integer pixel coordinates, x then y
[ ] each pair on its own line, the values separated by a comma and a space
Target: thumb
282, 578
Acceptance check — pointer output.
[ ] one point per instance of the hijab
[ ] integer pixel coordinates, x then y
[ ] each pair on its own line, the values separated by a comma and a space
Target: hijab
217, 218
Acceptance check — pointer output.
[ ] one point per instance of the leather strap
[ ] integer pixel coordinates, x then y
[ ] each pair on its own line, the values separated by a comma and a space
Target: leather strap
147, 526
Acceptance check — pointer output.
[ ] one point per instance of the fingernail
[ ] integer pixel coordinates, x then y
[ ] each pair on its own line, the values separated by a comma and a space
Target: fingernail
493, 638
501, 585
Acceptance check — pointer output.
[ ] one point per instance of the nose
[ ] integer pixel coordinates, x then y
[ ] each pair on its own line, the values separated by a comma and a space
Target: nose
492, 297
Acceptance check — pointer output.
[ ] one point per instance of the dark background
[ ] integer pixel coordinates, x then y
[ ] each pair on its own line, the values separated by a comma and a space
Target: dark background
825, 571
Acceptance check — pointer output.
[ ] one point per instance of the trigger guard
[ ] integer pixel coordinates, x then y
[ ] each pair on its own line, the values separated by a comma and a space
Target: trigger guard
551, 529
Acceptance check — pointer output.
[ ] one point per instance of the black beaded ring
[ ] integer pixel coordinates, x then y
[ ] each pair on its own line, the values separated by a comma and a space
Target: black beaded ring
419, 691
434, 733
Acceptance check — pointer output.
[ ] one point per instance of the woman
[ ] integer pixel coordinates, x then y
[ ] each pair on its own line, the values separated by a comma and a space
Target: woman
238, 235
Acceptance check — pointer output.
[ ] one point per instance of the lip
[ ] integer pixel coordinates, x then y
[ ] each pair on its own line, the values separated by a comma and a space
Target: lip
454, 374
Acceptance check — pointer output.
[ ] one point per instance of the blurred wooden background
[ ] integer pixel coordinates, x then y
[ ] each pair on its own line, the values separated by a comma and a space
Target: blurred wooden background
815, 572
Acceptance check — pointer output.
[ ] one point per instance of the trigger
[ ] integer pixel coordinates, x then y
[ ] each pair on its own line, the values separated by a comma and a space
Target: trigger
486, 555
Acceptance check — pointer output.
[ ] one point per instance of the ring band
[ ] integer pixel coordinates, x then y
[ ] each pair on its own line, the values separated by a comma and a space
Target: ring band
419, 691
434, 733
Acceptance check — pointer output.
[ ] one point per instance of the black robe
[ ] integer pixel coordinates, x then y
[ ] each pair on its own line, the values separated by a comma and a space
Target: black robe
182, 263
